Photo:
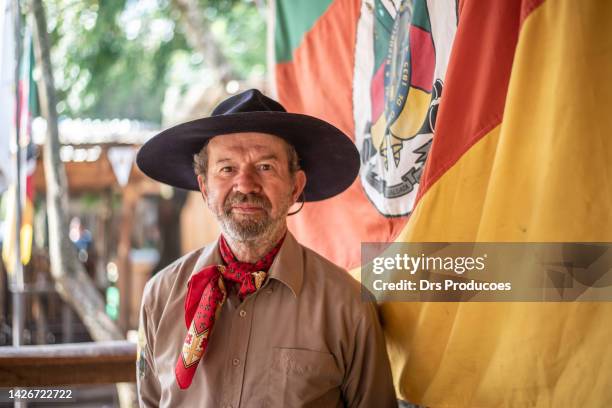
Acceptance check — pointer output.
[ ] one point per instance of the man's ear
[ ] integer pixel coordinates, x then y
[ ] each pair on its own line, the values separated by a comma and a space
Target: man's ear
300, 183
202, 186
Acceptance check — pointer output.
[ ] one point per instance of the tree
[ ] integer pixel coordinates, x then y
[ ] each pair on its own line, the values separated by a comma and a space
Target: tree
116, 58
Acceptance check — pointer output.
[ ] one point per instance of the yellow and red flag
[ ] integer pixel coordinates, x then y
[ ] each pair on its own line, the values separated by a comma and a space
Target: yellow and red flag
521, 152
27, 149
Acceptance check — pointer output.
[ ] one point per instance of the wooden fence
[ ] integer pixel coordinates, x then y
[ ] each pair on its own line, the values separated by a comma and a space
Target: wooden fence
68, 364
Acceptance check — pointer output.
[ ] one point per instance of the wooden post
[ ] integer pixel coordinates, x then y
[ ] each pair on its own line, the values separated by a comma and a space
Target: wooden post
124, 264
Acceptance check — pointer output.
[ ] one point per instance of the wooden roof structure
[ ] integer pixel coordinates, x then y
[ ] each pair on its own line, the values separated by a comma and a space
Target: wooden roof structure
85, 146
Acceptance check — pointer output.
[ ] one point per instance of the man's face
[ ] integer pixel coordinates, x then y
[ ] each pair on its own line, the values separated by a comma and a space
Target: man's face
248, 185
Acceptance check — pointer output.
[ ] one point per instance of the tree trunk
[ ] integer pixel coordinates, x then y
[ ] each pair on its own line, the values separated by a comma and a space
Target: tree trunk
71, 281
202, 39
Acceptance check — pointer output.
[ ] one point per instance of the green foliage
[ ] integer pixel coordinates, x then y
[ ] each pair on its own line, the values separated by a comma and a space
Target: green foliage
116, 58
241, 32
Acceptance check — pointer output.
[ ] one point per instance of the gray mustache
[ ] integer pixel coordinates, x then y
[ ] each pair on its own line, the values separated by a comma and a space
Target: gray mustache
251, 198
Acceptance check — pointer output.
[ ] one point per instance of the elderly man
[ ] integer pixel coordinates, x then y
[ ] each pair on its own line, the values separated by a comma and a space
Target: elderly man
256, 319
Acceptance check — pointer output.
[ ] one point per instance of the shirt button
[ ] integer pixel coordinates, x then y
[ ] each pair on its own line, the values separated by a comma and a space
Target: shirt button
242, 313
236, 362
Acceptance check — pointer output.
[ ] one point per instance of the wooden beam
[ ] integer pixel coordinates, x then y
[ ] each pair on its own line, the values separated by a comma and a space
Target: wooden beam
105, 362
88, 176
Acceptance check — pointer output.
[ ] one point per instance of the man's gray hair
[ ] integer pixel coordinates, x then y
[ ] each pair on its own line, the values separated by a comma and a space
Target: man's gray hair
200, 160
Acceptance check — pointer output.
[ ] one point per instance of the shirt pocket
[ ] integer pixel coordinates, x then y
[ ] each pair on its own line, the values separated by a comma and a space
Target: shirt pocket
303, 378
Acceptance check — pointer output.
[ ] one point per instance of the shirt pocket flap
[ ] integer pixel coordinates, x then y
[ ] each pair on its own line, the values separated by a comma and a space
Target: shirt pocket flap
300, 376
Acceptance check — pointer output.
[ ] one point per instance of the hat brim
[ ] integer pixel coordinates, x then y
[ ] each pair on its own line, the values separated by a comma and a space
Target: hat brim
327, 156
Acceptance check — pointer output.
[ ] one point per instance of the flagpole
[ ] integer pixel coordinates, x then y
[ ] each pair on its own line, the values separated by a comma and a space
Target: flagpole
18, 284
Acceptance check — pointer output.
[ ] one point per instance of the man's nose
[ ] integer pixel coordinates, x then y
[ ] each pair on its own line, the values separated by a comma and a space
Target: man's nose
247, 181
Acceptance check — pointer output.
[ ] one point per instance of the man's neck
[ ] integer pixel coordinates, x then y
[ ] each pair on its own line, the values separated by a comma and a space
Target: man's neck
253, 250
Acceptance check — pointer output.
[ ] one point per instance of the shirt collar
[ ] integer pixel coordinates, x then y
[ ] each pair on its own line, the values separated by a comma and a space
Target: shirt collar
287, 267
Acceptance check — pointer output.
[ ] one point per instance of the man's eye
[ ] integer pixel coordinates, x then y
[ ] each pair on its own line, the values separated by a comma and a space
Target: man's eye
226, 169
265, 167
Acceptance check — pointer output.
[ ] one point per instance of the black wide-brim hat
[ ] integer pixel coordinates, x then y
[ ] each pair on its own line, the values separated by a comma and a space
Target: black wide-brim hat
328, 156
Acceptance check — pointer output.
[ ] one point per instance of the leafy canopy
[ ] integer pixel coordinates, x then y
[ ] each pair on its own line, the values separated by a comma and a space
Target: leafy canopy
117, 58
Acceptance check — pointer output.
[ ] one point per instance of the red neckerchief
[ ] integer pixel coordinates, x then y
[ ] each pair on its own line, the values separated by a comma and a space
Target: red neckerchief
205, 295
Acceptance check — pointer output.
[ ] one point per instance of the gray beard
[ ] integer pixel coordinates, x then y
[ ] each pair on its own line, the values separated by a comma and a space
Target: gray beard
247, 230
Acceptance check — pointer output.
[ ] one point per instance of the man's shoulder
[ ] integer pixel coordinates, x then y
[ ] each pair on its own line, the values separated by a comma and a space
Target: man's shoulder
321, 265
337, 279
334, 285
174, 275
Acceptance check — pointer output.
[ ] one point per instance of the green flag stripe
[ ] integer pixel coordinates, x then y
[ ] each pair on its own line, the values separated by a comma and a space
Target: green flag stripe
33, 97
293, 20
383, 27
420, 18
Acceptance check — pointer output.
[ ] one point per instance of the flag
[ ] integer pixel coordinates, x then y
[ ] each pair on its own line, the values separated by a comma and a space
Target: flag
28, 104
332, 62
521, 153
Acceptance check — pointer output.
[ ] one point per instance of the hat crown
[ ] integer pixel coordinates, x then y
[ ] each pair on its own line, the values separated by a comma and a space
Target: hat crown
248, 101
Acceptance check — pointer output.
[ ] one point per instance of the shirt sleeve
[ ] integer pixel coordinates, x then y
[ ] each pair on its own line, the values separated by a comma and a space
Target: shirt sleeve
368, 381
149, 390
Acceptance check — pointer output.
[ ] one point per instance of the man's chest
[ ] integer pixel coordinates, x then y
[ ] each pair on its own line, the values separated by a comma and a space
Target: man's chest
273, 349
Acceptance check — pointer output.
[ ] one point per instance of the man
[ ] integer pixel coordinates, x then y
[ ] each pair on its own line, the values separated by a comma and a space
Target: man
257, 320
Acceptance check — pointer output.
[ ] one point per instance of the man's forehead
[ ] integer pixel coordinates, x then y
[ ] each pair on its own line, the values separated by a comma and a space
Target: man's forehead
251, 141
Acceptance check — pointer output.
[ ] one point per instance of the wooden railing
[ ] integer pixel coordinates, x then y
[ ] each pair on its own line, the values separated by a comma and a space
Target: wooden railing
68, 364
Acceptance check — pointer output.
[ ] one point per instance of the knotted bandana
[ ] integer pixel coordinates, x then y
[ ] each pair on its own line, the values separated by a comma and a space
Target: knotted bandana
206, 294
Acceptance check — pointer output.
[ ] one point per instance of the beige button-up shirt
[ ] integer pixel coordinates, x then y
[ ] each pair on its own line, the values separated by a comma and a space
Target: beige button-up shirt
305, 339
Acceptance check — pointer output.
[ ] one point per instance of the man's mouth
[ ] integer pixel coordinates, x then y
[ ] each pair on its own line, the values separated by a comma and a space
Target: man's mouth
246, 209
246, 204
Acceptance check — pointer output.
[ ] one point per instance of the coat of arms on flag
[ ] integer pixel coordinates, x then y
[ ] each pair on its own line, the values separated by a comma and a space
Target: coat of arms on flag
400, 61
